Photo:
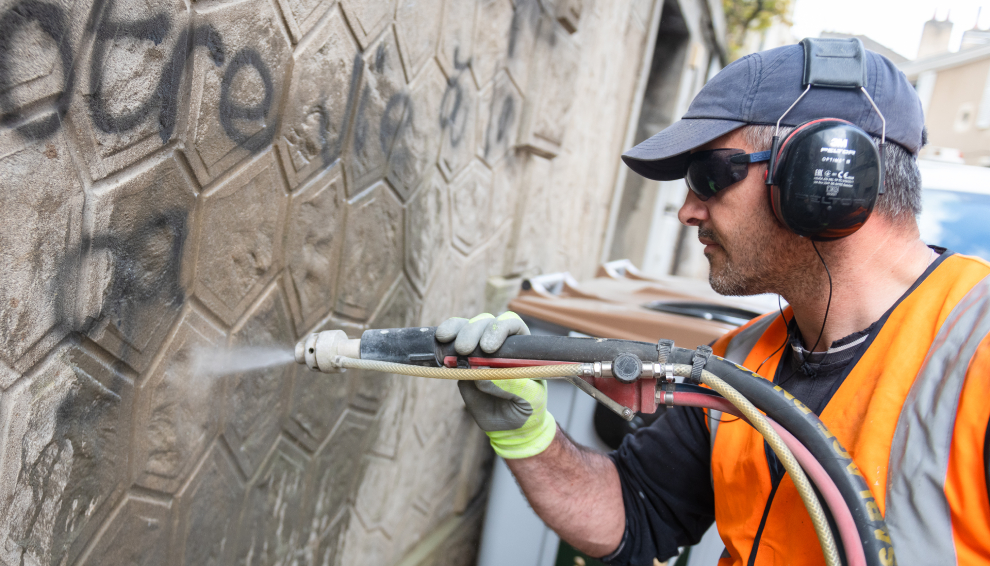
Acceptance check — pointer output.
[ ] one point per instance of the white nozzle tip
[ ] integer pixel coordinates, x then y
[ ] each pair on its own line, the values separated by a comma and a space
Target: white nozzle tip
301, 352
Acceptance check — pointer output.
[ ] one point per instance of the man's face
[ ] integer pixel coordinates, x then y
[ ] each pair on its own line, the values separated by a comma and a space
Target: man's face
748, 250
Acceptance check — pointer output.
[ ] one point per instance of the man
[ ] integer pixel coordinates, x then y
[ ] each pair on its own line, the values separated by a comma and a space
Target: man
885, 339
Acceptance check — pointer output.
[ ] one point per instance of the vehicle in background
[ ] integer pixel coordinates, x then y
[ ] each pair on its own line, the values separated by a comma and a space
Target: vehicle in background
955, 207
619, 302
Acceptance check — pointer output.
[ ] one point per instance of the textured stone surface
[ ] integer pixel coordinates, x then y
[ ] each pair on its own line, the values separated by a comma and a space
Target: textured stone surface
240, 242
368, 18
40, 246
183, 181
440, 298
302, 15
382, 113
177, 410
427, 231
498, 121
320, 101
207, 510
38, 79
457, 36
417, 25
416, 145
256, 400
399, 309
550, 91
237, 86
141, 245
492, 36
270, 530
458, 115
521, 47
131, 88
318, 399
313, 247
67, 475
471, 194
372, 252
137, 533
336, 474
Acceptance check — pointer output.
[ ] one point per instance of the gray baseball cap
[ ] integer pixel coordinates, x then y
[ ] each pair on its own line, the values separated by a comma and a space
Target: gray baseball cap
758, 89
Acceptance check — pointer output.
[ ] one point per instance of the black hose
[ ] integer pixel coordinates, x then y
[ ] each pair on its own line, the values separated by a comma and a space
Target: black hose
779, 405
802, 422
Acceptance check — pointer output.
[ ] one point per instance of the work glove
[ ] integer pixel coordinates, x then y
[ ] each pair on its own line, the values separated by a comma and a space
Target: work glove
512, 412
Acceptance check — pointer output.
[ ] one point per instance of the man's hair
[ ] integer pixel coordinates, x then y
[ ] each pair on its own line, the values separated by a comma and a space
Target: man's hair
902, 178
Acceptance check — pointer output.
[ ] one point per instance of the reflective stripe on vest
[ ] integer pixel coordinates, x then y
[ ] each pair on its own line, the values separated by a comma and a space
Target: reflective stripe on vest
917, 513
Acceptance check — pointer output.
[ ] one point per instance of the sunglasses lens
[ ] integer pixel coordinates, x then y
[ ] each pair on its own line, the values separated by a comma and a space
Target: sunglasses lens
711, 171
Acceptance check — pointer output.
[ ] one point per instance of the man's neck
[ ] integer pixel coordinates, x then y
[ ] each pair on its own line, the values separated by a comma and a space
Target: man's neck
870, 270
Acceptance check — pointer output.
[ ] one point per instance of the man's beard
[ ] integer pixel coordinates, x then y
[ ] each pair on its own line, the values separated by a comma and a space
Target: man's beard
757, 260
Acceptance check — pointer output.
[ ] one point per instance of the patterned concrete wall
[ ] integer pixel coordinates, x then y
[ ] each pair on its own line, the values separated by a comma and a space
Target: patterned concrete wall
179, 178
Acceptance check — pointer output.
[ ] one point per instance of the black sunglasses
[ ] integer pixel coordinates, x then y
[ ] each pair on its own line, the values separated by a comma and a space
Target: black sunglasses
713, 170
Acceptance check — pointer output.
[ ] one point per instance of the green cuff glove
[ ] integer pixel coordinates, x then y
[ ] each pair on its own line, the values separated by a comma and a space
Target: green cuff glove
513, 413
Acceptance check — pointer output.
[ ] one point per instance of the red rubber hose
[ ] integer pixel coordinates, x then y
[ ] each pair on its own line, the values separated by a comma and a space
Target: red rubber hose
840, 511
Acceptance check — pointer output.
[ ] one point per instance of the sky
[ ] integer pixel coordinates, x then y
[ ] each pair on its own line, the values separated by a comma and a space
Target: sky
894, 23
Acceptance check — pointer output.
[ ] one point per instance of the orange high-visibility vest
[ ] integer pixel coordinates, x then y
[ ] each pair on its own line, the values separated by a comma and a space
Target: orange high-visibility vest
913, 413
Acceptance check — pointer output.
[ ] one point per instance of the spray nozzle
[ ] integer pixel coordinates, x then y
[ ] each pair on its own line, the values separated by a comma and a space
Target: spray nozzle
321, 350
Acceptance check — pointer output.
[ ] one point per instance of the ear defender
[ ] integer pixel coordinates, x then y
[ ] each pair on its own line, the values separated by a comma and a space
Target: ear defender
825, 178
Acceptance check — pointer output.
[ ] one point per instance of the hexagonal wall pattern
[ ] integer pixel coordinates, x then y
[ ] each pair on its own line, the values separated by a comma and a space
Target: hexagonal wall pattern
207, 509
418, 139
471, 194
40, 247
321, 100
416, 25
139, 263
427, 231
318, 399
256, 399
372, 251
458, 114
238, 81
302, 15
187, 188
457, 36
313, 246
67, 476
240, 241
498, 119
368, 18
380, 115
271, 532
132, 87
137, 533
176, 411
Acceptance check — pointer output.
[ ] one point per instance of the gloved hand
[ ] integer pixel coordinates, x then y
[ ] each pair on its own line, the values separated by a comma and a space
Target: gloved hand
513, 412
483, 330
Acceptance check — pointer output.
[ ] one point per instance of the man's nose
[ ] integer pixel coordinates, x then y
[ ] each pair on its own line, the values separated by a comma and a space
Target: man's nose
693, 212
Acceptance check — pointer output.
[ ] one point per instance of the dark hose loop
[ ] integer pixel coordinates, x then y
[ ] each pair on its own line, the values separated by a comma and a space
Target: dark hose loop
801, 421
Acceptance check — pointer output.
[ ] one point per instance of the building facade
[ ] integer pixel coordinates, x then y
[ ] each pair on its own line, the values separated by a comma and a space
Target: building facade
187, 188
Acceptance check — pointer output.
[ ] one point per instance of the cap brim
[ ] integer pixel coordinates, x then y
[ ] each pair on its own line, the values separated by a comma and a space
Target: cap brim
663, 157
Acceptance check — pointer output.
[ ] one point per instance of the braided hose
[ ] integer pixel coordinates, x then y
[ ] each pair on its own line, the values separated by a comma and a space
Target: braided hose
460, 374
790, 463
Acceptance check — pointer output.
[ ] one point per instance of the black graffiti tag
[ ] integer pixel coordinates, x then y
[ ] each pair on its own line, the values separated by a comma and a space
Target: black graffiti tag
52, 21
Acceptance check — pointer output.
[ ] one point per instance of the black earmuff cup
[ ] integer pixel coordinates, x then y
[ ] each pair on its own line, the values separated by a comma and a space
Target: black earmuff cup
827, 179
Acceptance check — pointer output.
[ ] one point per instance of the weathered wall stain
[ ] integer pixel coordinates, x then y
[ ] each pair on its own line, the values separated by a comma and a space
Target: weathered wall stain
181, 177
